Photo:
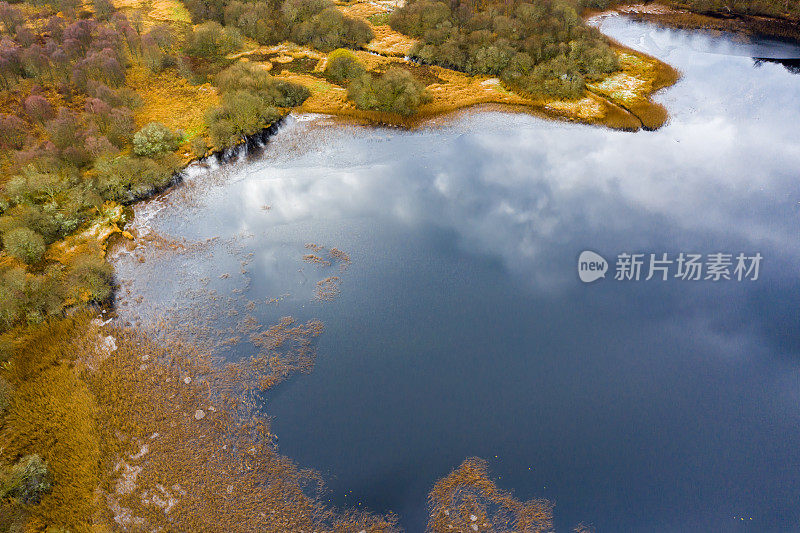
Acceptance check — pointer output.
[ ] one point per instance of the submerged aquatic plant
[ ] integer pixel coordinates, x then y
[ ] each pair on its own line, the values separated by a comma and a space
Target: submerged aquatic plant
25, 481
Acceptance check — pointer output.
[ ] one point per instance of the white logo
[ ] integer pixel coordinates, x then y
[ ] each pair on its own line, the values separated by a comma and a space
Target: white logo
591, 266
715, 267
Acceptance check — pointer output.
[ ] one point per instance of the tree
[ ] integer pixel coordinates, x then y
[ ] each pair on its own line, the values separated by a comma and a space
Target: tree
257, 20
120, 126
10, 16
240, 114
343, 66
206, 10
155, 139
330, 29
24, 244
212, 41
255, 80
38, 108
540, 48
127, 178
103, 9
12, 131
65, 129
396, 91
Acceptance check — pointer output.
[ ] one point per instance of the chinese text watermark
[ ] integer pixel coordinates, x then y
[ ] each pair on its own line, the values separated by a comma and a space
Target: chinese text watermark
717, 266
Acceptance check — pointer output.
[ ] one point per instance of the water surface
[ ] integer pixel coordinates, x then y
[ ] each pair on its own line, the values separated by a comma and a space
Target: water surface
463, 330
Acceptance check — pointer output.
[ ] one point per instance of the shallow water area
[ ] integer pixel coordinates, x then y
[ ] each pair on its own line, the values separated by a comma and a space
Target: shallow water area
457, 325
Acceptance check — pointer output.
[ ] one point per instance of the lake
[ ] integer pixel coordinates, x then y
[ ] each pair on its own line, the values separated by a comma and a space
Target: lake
460, 327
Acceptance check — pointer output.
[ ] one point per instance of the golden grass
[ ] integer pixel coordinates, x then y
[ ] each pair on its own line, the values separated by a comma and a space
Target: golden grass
54, 415
387, 41
585, 108
170, 11
468, 500
456, 91
362, 10
390, 42
286, 48
97, 232
639, 77
156, 11
172, 100
144, 436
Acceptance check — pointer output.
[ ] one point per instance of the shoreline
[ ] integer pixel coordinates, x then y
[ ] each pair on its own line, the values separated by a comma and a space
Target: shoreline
763, 26
100, 231
642, 75
639, 114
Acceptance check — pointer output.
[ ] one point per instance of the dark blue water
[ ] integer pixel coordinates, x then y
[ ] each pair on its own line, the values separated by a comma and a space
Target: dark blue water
462, 328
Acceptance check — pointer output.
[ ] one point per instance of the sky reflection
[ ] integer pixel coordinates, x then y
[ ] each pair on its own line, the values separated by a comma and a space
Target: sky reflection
462, 328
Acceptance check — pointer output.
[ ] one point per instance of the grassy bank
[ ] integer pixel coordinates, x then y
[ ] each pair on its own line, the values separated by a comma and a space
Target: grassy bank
781, 21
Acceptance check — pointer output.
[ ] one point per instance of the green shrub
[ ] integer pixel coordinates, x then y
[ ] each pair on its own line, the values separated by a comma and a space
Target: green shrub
32, 184
415, 18
396, 91
240, 114
128, 178
26, 481
211, 40
288, 94
24, 244
67, 214
296, 11
257, 20
330, 29
558, 78
90, 272
343, 66
12, 286
30, 297
255, 80
32, 216
198, 146
205, 10
103, 9
55, 218
249, 100
155, 139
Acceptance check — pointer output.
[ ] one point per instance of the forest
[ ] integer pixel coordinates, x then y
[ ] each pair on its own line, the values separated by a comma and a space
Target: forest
68, 140
540, 48
317, 23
